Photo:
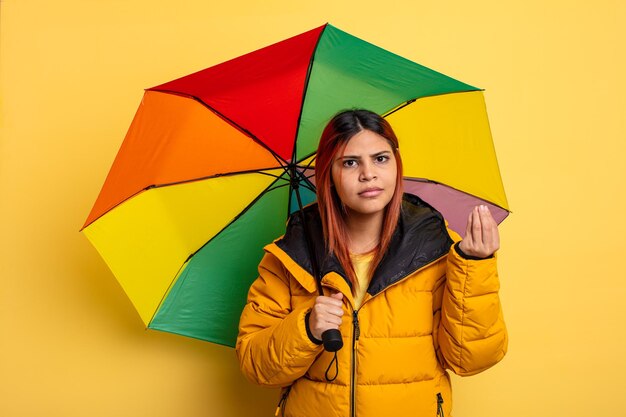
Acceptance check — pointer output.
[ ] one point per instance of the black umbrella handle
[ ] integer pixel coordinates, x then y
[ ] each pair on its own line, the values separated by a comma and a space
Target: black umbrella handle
332, 337
332, 340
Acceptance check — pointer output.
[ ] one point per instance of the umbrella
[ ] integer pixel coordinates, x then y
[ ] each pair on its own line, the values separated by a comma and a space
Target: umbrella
206, 174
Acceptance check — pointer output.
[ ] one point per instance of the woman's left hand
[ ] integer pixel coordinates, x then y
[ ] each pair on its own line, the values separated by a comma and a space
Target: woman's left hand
481, 236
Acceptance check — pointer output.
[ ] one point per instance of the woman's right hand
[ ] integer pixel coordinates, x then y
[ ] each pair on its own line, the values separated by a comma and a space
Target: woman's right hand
326, 314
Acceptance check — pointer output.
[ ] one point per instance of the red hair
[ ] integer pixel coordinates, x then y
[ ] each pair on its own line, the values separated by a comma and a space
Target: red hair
339, 130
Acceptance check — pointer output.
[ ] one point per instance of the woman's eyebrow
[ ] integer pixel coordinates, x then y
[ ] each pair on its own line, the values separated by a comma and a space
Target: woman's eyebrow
374, 155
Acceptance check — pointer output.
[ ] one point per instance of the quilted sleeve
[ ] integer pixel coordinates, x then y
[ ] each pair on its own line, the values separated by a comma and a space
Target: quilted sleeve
472, 335
272, 346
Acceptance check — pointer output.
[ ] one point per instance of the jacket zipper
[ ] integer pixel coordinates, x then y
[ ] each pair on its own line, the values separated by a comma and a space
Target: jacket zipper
439, 405
356, 331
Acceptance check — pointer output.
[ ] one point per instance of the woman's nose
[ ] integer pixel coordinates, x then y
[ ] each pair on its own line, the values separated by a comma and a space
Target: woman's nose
367, 172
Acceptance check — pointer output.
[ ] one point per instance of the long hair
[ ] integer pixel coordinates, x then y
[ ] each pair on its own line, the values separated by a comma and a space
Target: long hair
339, 130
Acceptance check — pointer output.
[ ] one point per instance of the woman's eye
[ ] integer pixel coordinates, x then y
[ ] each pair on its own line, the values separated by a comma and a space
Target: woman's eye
382, 158
349, 163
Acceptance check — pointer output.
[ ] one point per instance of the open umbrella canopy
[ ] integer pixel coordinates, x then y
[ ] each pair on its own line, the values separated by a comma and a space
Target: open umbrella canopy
206, 174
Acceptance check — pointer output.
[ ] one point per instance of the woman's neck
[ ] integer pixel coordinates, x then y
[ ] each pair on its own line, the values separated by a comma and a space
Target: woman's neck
364, 231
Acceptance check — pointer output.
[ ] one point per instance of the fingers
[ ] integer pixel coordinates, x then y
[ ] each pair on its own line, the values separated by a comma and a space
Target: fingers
326, 314
491, 236
468, 228
477, 226
481, 237
331, 306
486, 222
492, 239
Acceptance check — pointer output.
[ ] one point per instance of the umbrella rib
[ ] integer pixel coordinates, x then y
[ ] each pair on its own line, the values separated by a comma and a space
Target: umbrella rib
307, 166
228, 120
413, 100
395, 109
169, 184
277, 187
241, 213
308, 156
304, 184
208, 177
308, 176
191, 336
166, 292
306, 87
308, 186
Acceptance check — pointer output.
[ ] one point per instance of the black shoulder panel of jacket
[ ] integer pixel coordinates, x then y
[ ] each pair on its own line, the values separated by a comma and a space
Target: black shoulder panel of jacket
419, 239
295, 245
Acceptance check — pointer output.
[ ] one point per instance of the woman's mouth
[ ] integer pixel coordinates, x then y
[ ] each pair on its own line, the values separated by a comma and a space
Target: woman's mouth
371, 192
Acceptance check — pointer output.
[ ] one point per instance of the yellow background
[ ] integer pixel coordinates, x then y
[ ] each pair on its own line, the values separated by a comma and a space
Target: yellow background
72, 74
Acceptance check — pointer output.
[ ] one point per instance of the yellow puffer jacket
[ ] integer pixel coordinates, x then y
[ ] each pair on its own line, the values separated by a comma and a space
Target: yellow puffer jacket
427, 309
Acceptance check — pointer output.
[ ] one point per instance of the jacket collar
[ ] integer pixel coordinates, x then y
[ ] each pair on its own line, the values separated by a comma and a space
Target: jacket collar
420, 238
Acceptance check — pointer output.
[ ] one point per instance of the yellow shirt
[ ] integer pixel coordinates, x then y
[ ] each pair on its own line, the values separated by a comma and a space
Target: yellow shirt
361, 264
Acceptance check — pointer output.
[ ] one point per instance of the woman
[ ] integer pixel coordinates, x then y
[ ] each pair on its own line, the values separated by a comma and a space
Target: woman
410, 298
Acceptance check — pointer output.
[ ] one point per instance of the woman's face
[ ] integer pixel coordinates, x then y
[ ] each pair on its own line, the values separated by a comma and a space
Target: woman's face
364, 174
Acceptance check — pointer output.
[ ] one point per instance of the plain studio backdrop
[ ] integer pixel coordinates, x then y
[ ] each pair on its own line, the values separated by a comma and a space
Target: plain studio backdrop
72, 73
